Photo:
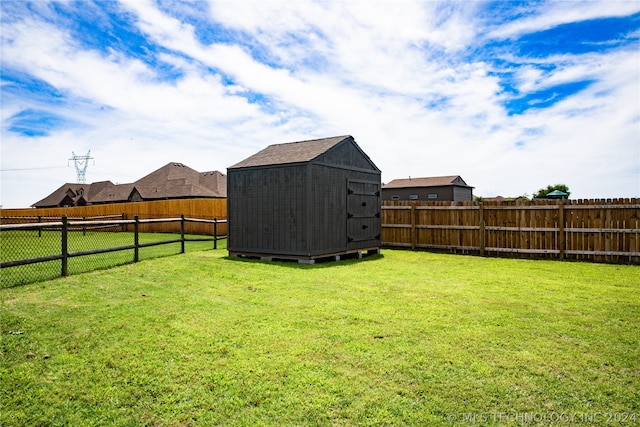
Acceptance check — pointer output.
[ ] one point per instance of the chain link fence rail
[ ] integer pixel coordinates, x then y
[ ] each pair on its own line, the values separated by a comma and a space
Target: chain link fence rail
42, 250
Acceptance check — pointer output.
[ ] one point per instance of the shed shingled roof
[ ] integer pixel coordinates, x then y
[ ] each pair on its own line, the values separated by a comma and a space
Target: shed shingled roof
291, 152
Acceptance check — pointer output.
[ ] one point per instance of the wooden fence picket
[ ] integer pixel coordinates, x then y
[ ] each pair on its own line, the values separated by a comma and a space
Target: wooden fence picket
594, 230
191, 208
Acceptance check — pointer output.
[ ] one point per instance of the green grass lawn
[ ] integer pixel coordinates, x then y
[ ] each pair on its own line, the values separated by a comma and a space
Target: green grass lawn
405, 338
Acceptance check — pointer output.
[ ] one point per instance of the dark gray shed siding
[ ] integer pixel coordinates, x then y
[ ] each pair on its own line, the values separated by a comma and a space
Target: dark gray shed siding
329, 205
256, 191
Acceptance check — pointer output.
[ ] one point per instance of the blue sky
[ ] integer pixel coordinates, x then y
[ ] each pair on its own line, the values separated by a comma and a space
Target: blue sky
512, 96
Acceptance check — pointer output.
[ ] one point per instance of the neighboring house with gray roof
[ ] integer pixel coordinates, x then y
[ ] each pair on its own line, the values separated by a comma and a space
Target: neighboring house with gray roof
437, 188
172, 181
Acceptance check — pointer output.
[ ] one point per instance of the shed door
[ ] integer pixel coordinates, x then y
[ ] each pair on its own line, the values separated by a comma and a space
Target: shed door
363, 214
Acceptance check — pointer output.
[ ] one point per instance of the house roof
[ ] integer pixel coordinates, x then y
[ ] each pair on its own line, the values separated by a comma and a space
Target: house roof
216, 181
97, 187
73, 192
54, 198
291, 152
117, 193
174, 180
434, 181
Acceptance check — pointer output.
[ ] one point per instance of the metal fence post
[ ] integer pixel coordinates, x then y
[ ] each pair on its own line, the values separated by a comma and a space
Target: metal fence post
136, 240
215, 233
39, 228
182, 233
65, 247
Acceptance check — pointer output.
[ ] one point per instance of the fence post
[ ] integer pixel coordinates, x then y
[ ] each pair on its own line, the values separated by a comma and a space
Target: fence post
84, 227
136, 240
561, 235
182, 233
39, 228
414, 237
215, 233
65, 247
482, 241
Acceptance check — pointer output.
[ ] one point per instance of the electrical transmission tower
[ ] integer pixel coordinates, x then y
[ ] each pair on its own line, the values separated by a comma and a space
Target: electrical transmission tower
81, 163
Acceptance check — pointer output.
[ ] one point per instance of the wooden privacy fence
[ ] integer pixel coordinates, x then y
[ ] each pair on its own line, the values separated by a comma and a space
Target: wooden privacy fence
206, 209
594, 230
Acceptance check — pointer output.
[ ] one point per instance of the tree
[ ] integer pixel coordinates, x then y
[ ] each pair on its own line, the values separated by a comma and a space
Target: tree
544, 191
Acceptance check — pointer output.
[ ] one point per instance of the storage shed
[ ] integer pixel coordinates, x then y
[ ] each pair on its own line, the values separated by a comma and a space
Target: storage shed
304, 201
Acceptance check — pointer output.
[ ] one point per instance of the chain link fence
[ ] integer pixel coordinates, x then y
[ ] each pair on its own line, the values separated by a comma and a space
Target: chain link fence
54, 247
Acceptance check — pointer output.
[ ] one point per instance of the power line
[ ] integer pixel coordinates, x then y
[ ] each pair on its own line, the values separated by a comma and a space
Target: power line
114, 173
32, 169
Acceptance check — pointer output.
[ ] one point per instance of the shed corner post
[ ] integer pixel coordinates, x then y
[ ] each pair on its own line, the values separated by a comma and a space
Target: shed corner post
307, 209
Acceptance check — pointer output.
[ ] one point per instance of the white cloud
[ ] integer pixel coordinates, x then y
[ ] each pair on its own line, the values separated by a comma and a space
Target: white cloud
395, 75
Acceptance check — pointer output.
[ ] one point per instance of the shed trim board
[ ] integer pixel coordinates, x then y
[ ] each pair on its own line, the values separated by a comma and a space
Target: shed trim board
307, 207
328, 165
